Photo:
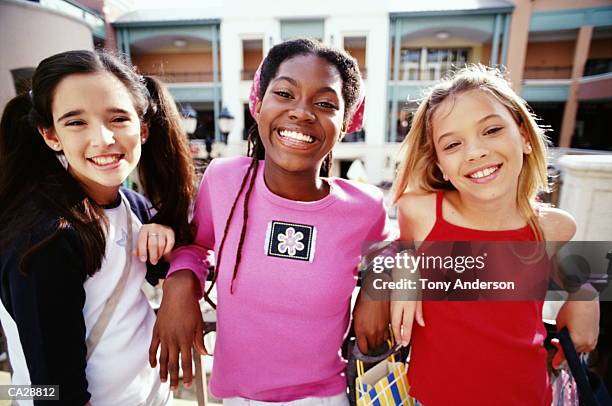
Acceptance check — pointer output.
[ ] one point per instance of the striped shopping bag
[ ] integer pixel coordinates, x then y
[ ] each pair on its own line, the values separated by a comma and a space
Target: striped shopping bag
385, 384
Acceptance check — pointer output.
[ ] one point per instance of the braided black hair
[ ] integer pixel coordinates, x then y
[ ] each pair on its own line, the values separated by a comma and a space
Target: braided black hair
351, 88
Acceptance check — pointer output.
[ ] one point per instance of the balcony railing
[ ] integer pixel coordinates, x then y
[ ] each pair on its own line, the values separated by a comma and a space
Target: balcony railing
358, 136
184, 77
247, 74
548, 72
431, 72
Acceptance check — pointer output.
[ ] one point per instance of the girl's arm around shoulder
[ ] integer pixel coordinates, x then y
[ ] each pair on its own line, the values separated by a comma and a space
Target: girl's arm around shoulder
183, 288
195, 256
416, 215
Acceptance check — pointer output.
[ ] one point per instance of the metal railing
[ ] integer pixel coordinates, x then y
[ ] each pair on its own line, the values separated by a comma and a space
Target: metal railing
184, 77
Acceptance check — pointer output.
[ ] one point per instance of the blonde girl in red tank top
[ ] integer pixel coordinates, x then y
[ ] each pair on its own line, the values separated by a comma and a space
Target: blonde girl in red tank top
473, 162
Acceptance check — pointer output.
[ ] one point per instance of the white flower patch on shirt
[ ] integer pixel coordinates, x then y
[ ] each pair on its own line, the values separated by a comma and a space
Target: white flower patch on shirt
290, 240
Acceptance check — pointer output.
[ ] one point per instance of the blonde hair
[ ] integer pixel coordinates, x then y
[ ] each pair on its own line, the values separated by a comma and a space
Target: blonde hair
417, 171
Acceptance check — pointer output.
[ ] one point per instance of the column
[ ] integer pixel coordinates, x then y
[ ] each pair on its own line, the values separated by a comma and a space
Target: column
495, 43
504, 51
581, 53
519, 38
216, 83
397, 29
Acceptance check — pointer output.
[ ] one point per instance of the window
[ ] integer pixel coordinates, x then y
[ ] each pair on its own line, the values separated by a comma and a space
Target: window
592, 124
252, 54
403, 119
292, 29
430, 63
598, 66
356, 47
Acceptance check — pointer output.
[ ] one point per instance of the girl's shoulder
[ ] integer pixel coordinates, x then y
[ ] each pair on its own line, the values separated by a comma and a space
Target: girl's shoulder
417, 204
49, 245
556, 224
140, 205
416, 214
229, 165
357, 191
227, 172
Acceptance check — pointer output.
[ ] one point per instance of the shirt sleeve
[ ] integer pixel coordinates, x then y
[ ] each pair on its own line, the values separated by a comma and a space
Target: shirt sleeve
143, 209
195, 256
381, 229
46, 302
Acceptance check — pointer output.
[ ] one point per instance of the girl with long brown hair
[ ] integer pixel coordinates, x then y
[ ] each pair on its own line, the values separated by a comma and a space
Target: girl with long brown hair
72, 307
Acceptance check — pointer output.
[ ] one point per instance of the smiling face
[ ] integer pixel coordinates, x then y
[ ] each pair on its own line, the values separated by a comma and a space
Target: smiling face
300, 116
97, 128
479, 145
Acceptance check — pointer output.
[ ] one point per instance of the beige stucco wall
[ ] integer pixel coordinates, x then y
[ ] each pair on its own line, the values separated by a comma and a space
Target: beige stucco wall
547, 54
548, 5
29, 33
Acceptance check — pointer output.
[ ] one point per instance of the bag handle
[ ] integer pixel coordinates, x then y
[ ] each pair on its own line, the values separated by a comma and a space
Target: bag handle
98, 329
361, 359
578, 369
372, 359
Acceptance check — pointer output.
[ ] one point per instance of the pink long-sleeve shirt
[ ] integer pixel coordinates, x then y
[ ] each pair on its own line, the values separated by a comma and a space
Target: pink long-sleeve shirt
280, 331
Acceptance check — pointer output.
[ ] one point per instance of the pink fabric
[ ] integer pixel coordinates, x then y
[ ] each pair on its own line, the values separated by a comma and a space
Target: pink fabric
355, 124
279, 333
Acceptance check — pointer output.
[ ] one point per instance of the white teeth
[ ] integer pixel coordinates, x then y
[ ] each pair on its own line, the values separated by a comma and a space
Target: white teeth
105, 160
483, 173
297, 136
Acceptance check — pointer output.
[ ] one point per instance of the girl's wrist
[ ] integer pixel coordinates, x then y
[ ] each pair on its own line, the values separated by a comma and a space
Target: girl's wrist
183, 282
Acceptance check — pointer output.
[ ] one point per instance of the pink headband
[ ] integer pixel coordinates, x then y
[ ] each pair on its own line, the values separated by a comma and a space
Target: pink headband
355, 124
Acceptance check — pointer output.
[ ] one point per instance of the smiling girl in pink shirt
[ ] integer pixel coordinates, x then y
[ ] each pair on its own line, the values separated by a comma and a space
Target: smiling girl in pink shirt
287, 239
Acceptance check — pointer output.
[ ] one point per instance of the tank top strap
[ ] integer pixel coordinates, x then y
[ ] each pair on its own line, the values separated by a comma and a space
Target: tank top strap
439, 199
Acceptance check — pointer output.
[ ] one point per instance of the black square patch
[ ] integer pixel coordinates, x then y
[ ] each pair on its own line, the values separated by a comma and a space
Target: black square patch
290, 240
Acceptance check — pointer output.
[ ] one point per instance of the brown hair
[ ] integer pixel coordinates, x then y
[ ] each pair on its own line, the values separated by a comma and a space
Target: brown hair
28, 166
416, 171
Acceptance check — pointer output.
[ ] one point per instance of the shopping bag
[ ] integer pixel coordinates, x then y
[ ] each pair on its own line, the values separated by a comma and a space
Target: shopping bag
591, 390
564, 389
386, 383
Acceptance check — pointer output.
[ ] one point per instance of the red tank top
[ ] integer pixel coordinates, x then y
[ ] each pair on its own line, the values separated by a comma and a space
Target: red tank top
479, 352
